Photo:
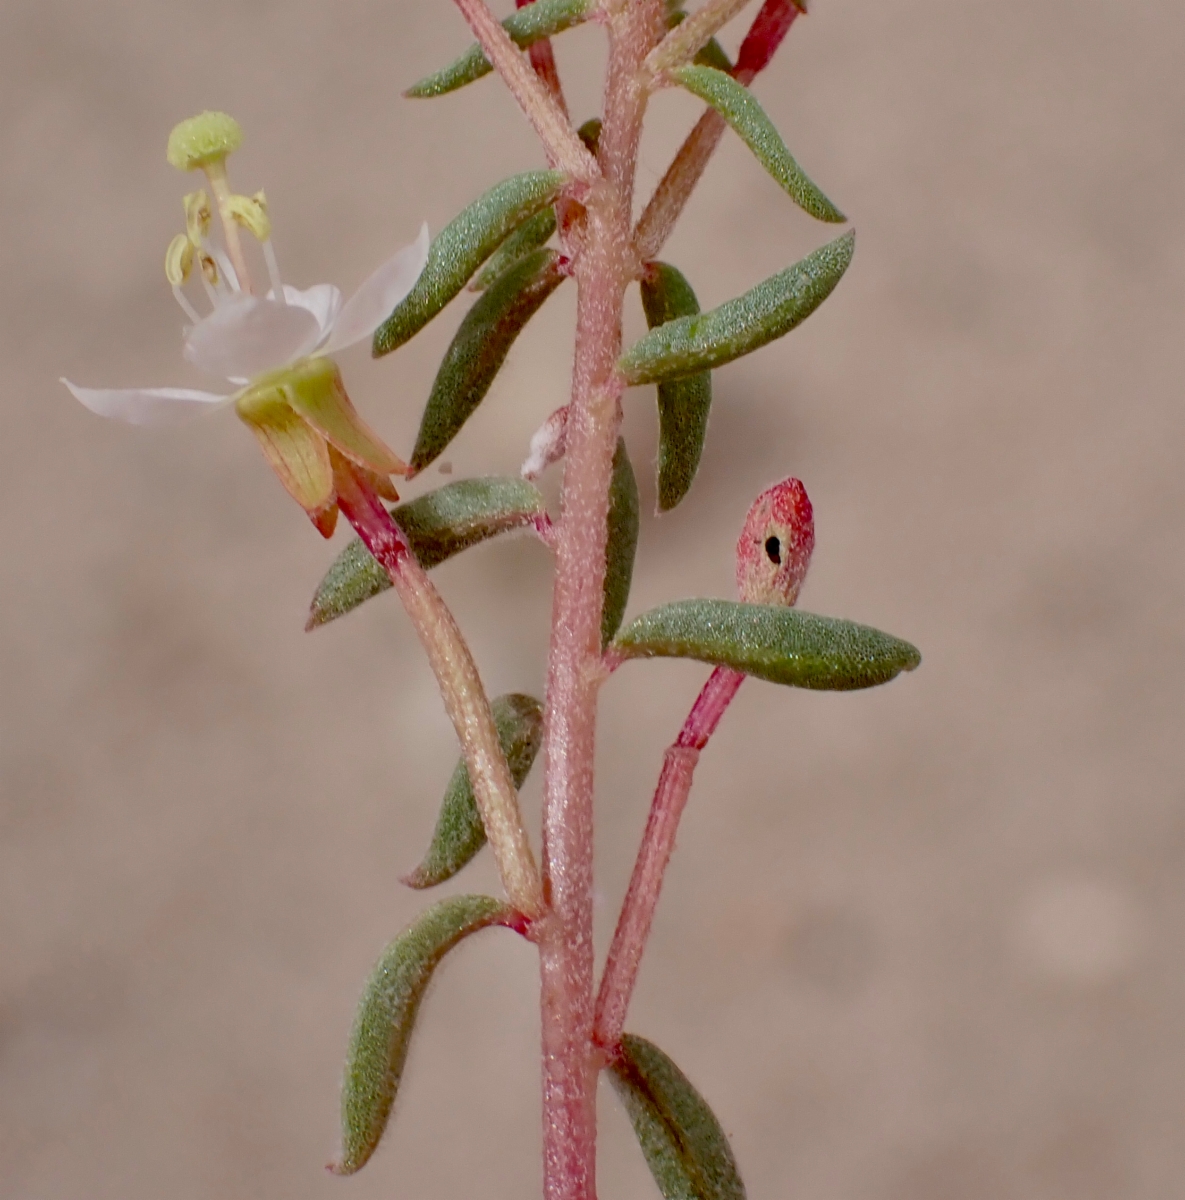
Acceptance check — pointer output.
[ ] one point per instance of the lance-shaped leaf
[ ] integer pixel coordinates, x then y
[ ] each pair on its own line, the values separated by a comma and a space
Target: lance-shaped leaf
387, 1013
684, 403
740, 326
739, 107
462, 246
459, 833
480, 348
782, 645
529, 24
685, 1147
622, 544
438, 525
530, 235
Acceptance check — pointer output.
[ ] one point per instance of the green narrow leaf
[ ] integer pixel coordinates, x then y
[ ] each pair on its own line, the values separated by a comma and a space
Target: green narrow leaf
683, 404
462, 246
438, 525
739, 107
530, 235
387, 1013
459, 833
622, 544
782, 645
738, 327
480, 348
685, 1147
529, 24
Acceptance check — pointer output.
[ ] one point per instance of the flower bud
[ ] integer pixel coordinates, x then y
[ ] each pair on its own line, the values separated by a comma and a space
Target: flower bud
202, 140
775, 545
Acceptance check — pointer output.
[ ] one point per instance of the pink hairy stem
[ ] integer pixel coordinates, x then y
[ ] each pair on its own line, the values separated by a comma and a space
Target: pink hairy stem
769, 27
543, 60
603, 269
658, 842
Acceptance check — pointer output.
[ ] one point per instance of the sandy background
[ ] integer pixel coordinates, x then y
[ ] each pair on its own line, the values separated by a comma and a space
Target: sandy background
924, 943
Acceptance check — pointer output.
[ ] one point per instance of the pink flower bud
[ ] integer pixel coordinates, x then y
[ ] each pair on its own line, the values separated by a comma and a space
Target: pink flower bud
775, 546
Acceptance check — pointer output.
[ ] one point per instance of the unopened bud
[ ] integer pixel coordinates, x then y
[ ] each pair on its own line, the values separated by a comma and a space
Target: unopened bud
775, 546
251, 213
179, 260
202, 140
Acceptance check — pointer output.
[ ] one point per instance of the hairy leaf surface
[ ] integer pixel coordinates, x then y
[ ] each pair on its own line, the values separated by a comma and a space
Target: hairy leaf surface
387, 1014
462, 246
622, 544
480, 347
459, 833
684, 403
740, 108
781, 645
738, 327
438, 525
685, 1147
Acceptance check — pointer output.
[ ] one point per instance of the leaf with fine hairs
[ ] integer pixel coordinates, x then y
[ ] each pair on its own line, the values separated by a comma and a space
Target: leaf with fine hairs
738, 327
387, 1013
740, 108
459, 832
527, 25
462, 246
684, 403
530, 235
438, 525
685, 1147
781, 645
480, 347
622, 544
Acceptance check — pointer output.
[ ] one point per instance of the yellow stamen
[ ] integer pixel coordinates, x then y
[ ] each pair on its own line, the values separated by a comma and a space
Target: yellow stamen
209, 269
197, 215
179, 260
251, 213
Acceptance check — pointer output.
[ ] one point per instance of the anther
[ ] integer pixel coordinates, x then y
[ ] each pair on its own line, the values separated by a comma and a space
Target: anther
179, 260
251, 213
198, 215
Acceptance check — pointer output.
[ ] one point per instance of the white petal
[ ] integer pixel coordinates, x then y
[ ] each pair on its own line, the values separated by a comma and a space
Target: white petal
373, 302
323, 300
247, 335
147, 406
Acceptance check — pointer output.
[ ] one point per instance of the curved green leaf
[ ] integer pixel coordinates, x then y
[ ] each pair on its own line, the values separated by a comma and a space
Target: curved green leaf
685, 1147
782, 645
530, 235
740, 326
739, 107
387, 1013
480, 348
462, 246
438, 525
529, 24
683, 404
622, 544
459, 833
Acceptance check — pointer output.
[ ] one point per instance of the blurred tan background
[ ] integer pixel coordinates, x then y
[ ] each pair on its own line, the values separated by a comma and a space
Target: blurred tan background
923, 943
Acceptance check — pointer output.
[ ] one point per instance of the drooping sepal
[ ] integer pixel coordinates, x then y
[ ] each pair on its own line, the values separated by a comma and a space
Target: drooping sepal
738, 327
529, 24
480, 347
622, 544
459, 832
684, 1144
462, 246
437, 525
778, 644
684, 403
387, 1013
741, 109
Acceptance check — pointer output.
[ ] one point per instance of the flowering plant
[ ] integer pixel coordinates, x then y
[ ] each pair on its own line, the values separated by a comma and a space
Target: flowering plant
275, 347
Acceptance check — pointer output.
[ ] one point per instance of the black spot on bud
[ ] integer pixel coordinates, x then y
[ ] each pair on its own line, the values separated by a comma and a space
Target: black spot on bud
774, 549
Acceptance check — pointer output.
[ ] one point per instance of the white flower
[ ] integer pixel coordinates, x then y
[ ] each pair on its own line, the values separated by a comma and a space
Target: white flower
246, 335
